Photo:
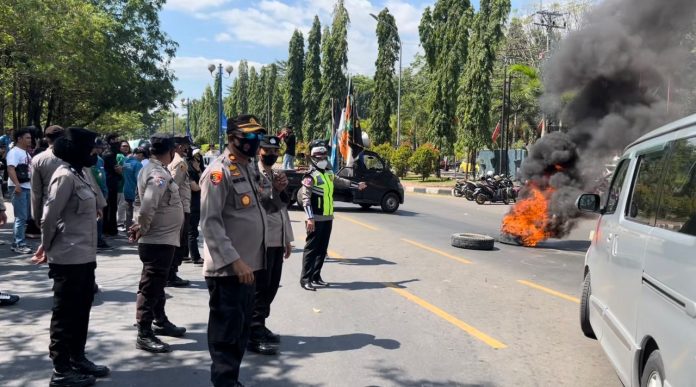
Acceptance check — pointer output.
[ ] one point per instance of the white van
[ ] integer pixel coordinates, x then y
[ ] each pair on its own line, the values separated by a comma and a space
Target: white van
639, 291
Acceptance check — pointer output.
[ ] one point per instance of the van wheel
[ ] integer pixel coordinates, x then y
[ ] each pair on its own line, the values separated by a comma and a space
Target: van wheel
654, 371
390, 202
585, 308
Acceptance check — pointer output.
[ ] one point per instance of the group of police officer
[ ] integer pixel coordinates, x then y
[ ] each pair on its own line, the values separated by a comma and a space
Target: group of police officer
244, 222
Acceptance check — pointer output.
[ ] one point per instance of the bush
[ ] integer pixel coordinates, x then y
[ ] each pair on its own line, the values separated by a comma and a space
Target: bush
385, 150
400, 160
424, 160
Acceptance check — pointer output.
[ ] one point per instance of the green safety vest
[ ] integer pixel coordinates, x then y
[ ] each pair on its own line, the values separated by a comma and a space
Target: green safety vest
322, 192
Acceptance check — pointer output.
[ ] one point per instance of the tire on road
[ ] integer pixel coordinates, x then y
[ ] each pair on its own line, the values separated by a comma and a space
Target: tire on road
585, 325
480, 199
390, 202
472, 241
654, 370
456, 193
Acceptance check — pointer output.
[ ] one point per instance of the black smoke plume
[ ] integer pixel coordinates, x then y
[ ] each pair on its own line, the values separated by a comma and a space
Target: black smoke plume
618, 73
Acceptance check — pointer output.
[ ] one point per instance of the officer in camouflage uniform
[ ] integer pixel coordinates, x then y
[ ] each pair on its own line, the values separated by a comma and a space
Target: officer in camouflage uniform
234, 230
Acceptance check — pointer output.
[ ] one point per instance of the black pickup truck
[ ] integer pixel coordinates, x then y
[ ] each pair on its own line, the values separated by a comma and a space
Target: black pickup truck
383, 187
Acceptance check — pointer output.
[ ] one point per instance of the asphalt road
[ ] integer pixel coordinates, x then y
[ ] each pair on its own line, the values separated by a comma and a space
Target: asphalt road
404, 309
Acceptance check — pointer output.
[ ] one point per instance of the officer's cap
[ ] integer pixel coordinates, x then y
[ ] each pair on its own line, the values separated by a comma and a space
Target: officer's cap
181, 139
161, 143
270, 142
246, 123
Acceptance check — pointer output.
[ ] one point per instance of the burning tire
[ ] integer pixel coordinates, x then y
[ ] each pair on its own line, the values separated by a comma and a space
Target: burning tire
472, 241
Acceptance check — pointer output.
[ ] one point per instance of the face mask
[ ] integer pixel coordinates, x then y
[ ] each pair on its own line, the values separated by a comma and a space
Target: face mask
90, 160
116, 147
248, 147
269, 160
322, 164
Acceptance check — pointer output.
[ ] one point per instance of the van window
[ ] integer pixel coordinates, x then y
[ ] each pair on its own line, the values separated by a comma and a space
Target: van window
678, 205
616, 187
373, 163
646, 188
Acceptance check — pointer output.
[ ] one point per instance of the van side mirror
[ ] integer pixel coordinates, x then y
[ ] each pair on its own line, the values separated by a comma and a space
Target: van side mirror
588, 203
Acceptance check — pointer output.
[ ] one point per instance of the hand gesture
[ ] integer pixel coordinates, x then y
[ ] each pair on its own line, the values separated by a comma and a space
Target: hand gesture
39, 257
362, 185
280, 182
288, 250
243, 271
134, 233
309, 224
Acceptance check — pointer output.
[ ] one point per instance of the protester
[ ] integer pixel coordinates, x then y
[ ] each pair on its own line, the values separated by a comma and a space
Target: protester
288, 136
317, 200
195, 169
19, 185
131, 168
279, 232
113, 179
233, 225
70, 250
157, 233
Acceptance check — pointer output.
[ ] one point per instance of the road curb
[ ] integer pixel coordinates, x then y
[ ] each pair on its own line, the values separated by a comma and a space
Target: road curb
428, 190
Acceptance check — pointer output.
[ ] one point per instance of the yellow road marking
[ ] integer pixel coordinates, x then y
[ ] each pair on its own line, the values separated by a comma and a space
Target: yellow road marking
434, 250
335, 255
550, 291
373, 228
493, 343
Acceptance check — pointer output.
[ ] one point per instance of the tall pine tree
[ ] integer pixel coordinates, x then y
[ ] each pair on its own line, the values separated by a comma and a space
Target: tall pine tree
444, 35
311, 88
334, 62
384, 97
241, 95
475, 91
295, 78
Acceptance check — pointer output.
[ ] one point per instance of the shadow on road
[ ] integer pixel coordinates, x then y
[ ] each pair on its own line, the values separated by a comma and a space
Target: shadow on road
363, 261
337, 343
363, 285
396, 377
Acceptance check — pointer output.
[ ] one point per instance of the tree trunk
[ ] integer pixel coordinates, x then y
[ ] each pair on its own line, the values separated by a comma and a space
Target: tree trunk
34, 103
51, 106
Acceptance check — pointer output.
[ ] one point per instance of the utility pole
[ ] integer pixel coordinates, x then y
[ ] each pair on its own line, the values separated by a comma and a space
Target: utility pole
550, 20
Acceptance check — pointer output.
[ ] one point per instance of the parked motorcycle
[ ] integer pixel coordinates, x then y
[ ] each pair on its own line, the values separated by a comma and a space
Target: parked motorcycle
495, 189
464, 188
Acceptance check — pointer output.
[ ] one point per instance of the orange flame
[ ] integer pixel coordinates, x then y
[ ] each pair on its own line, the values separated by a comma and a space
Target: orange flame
529, 218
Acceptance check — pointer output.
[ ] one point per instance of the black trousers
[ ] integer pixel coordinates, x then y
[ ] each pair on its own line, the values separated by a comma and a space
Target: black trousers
231, 305
110, 227
315, 251
193, 234
73, 293
150, 301
267, 284
182, 251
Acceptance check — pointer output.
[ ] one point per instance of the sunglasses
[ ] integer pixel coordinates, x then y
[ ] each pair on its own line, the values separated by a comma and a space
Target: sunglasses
253, 136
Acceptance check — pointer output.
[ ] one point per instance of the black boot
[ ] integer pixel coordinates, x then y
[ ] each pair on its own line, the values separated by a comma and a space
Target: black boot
270, 336
86, 367
147, 341
166, 328
71, 378
318, 281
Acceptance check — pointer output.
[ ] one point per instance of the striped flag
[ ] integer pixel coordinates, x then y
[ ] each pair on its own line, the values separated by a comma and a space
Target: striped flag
496, 133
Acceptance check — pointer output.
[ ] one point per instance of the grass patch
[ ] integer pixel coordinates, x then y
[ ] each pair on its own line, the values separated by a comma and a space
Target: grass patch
431, 181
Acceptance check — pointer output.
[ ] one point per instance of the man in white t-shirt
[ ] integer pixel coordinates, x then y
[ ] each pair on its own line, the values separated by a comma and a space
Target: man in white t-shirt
19, 185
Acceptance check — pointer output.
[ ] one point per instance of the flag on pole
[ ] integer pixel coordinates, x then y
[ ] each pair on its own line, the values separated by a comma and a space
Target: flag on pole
496, 133
541, 126
346, 129
223, 124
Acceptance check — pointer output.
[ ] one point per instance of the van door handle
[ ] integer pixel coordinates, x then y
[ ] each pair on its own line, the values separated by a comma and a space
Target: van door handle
614, 246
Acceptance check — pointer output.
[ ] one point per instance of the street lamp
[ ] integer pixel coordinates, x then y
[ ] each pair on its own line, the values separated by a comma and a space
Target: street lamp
228, 70
187, 102
398, 96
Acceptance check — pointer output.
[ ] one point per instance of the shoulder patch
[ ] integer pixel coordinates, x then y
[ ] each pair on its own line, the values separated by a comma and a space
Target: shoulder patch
159, 180
307, 181
182, 166
216, 177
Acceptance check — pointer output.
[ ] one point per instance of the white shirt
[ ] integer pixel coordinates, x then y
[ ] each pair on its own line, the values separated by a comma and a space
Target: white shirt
15, 157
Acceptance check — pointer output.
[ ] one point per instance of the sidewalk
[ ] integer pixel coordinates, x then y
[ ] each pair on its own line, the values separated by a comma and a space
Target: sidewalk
427, 190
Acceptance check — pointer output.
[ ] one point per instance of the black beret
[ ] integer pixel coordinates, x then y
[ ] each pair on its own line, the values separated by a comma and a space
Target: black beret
270, 142
161, 143
181, 139
81, 138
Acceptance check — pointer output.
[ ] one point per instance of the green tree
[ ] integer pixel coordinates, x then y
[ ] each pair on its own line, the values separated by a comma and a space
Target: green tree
384, 97
424, 160
363, 90
400, 160
241, 95
253, 90
334, 62
295, 80
444, 34
311, 88
475, 88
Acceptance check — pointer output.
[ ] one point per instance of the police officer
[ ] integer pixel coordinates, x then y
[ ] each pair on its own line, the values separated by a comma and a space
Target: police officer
179, 170
157, 232
316, 196
43, 165
71, 250
234, 232
278, 247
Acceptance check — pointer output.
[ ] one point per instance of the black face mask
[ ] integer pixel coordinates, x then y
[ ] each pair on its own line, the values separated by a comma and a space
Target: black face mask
116, 147
269, 160
89, 161
247, 147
